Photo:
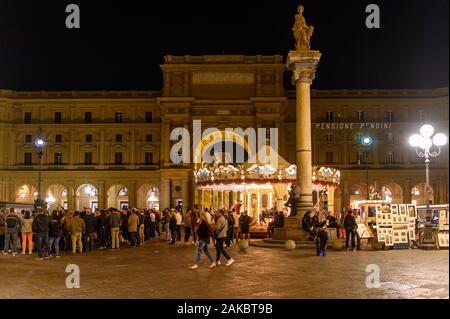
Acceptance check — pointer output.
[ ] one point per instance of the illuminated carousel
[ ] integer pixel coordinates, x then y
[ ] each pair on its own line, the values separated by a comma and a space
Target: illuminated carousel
260, 189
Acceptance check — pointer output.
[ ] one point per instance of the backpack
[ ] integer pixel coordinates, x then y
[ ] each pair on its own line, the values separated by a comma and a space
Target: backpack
2, 221
55, 228
11, 221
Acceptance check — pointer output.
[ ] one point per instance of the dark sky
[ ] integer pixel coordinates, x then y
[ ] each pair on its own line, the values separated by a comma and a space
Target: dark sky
121, 43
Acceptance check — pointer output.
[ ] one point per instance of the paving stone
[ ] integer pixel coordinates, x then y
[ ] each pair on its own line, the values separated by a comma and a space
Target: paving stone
256, 273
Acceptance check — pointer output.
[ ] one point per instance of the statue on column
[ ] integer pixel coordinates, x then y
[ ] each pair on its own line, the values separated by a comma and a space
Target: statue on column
294, 197
302, 32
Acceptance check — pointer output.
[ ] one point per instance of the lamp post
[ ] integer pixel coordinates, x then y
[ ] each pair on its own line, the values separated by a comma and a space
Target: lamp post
39, 143
428, 146
367, 142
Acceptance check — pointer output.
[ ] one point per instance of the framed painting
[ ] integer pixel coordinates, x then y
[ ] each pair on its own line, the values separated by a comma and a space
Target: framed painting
412, 211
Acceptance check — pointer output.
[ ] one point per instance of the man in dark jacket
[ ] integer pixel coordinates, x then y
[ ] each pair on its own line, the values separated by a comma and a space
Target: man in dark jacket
173, 228
41, 226
90, 222
350, 229
12, 223
100, 229
307, 222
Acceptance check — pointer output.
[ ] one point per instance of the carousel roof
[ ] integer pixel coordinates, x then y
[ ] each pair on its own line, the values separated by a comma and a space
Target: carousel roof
257, 173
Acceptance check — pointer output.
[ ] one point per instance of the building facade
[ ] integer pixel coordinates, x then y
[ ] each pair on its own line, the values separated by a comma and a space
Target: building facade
113, 148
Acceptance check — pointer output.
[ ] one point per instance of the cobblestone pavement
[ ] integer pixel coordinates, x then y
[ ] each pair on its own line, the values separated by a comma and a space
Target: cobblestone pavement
158, 270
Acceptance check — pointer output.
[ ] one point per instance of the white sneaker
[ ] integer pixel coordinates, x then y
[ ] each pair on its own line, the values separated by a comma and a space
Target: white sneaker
218, 262
213, 265
194, 267
229, 262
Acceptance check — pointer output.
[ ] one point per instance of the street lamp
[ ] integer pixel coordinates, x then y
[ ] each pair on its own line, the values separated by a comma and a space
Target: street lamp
39, 143
428, 146
367, 142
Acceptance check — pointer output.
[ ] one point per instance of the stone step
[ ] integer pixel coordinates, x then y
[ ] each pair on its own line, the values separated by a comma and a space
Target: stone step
273, 243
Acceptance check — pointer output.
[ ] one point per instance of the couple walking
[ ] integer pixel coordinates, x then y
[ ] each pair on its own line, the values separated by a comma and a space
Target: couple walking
205, 232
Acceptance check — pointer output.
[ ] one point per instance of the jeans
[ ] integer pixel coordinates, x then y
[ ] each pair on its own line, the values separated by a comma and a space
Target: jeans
194, 233
187, 234
67, 241
219, 249
29, 237
167, 231
42, 239
13, 237
90, 239
349, 232
115, 240
178, 232
76, 238
55, 240
321, 243
202, 246
174, 236
133, 237
2, 242
101, 233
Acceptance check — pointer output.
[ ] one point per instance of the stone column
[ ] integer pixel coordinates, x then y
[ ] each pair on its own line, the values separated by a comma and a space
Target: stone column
303, 64
72, 196
165, 194
132, 196
407, 198
185, 194
331, 199
102, 201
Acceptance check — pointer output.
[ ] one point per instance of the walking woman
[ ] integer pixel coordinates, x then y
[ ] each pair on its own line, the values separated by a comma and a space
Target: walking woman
27, 233
204, 238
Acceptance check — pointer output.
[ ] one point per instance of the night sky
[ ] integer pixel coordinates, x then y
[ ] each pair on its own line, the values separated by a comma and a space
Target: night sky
121, 43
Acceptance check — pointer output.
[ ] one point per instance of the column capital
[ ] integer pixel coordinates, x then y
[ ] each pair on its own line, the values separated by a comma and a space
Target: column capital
303, 64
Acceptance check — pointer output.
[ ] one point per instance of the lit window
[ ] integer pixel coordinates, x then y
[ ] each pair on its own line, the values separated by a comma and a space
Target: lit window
390, 158
118, 117
329, 116
360, 116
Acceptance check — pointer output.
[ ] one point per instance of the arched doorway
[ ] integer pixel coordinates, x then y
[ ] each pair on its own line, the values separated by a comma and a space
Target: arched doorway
87, 197
56, 197
392, 193
118, 197
419, 196
26, 194
148, 197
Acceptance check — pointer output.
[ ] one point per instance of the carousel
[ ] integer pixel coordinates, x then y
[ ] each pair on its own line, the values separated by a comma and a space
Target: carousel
260, 189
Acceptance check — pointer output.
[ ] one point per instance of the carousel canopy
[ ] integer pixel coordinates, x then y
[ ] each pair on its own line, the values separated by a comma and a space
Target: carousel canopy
254, 174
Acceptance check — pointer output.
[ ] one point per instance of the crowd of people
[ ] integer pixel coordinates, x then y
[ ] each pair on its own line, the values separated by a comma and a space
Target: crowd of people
49, 234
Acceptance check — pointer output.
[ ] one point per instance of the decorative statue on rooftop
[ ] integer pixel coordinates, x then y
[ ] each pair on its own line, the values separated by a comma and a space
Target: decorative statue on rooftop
302, 32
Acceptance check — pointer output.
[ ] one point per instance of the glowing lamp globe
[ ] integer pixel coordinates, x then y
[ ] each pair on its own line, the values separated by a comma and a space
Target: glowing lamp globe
415, 140
427, 130
426, 143
440, 139
39, 143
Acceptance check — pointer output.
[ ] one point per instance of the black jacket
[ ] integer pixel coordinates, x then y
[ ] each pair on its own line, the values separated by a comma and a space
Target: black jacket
41, 224
204, 232
90, 221
173, 223
54, 228
350, 222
